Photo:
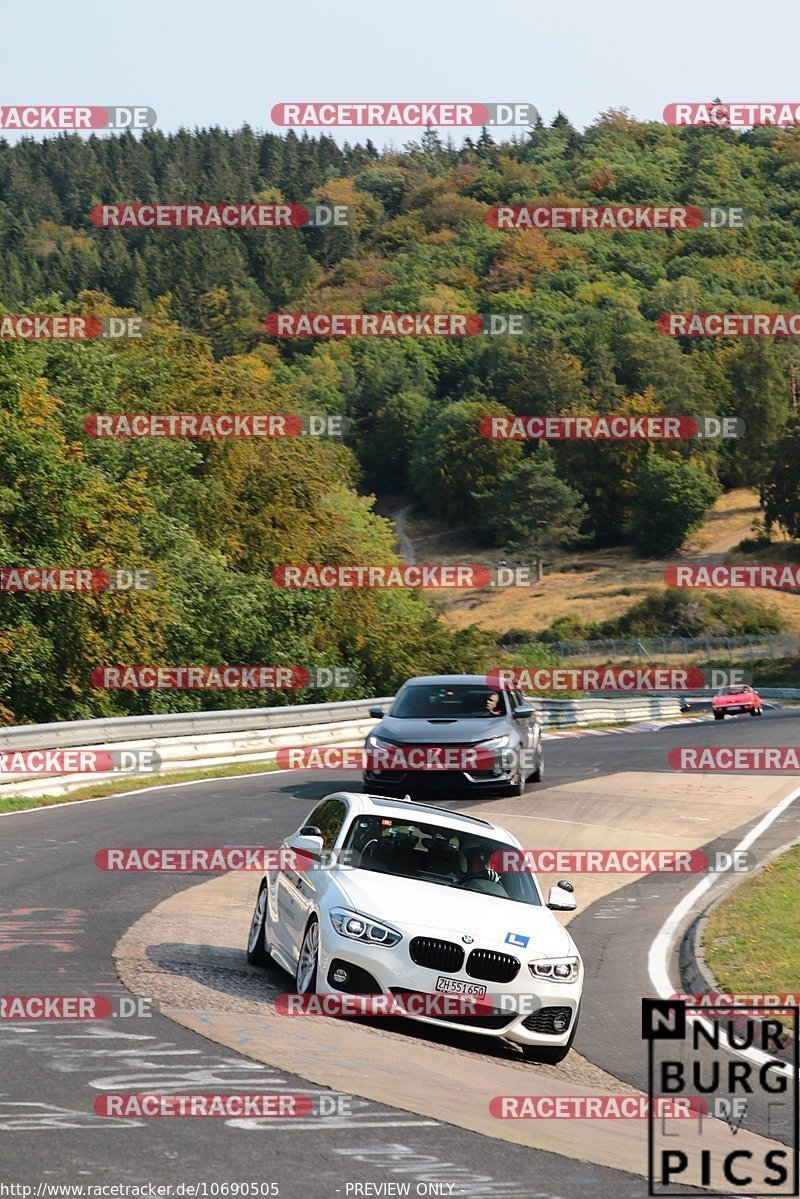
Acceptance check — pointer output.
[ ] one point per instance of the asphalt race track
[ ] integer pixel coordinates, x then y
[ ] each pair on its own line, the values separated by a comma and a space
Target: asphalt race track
61, 919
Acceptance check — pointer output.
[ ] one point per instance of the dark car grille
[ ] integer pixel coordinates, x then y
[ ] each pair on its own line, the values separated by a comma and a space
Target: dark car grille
437, 955
545, 1018
496, 1018
494, 967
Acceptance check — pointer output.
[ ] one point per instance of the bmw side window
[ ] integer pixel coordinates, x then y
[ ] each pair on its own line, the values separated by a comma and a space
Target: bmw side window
329, 820
313, 818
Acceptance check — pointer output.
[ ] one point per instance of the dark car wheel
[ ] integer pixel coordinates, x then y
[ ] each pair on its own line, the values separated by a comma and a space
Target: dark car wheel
719, 715
538, 773
257, 954
517, 787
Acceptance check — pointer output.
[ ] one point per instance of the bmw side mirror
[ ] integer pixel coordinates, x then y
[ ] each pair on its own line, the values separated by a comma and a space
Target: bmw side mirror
561, 898
523, 712
308, 846
377, 713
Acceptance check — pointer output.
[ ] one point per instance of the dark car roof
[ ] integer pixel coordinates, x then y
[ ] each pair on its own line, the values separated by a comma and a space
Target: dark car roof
448, 679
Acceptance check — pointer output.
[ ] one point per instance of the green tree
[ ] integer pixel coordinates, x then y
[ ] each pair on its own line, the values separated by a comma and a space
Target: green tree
782, 488
399, 424
760, 378
671, 500
454, 462
532, 511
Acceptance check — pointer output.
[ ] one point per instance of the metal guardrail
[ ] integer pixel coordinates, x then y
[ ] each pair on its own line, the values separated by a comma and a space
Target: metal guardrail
72, 733
200, 740
569, 713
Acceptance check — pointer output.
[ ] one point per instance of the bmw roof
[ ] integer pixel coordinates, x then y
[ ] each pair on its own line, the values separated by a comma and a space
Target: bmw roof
408, 807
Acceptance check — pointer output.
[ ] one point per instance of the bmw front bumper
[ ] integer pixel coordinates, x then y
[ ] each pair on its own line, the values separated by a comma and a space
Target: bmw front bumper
526, 1010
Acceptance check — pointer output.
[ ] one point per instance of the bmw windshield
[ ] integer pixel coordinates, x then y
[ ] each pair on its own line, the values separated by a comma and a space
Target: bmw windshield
442, 856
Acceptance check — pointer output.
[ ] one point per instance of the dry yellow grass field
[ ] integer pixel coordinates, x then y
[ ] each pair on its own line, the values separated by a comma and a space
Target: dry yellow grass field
593, 585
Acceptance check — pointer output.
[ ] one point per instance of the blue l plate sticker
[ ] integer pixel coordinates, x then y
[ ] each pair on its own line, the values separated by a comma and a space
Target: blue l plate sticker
517, 939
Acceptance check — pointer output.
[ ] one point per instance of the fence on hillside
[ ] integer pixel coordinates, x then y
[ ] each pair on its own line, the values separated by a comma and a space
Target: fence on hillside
781, 645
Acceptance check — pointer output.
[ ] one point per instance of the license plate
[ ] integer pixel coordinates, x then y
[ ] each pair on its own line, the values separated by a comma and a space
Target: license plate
454, 986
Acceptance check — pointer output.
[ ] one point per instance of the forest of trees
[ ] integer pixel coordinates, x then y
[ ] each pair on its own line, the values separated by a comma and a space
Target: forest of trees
212, 519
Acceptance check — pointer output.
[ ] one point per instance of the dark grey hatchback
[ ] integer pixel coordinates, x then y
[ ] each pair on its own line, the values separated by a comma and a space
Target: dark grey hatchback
454, 731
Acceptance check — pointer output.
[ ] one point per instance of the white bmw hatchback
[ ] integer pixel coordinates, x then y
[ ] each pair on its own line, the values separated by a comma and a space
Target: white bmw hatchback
403, 897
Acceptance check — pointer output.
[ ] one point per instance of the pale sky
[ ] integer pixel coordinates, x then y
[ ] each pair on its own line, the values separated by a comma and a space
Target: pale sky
198, 62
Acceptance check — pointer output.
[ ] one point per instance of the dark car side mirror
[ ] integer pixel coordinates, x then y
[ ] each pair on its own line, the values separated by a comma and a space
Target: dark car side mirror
377, 713
523, 712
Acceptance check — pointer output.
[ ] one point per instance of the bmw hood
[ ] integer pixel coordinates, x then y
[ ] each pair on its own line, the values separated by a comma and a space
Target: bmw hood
428, 909
441, 731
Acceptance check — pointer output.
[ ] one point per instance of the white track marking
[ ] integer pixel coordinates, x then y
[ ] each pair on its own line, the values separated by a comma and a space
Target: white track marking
658, 958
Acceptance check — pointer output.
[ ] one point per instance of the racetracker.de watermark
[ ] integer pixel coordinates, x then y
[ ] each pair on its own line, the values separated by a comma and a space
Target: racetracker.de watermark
152, 859
76, 116
399, 1004
448, 758
417, 575
761, 759
72, 328
610, 428
782, 577
79, 761
220, 678
396, 324
401, 114
72, 1007
729, 324
621, 861
81, 579
228, 1105
617, 217
717, 1003
594, 1107
220, 424
633, 679
219, 216
737, 114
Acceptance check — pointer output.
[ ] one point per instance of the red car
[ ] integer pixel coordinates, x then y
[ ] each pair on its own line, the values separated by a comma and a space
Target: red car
730, 701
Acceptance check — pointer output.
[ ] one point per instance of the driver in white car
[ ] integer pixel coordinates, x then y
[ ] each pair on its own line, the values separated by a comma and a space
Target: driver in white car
478, 858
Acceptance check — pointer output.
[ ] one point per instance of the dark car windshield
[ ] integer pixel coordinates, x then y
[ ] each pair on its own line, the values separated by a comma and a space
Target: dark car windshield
465, 701
442, 856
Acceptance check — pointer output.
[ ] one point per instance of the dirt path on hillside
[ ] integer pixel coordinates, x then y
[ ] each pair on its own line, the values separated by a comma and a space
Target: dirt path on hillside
406, 546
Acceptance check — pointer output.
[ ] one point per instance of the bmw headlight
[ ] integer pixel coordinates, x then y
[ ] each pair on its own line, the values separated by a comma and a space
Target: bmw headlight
557, 970
494, 743
362, 928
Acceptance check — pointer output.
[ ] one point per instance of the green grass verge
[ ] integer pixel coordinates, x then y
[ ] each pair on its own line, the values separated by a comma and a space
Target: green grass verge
116, 786
751, 940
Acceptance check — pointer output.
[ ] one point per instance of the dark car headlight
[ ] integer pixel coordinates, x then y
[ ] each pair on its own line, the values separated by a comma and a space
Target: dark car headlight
374, 742
495, 742
362, 928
